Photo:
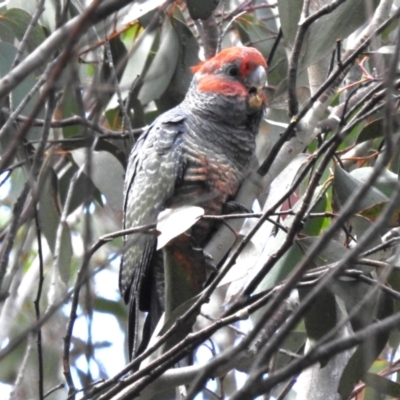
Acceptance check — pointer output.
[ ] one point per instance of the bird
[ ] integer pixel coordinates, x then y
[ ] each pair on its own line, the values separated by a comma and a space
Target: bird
197, 153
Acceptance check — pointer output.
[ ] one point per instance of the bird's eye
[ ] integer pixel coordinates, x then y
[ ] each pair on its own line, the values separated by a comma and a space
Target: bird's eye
233, 71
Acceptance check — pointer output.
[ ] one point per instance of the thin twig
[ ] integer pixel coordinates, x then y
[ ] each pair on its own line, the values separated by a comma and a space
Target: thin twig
72, 31
77, 120
114, 81
324, 352
37, 305
68, 31
274, 47
22, 369
54, 389
158, 366
388, 244
19, 204
287, 243
11, 233
288, 387
210, 36
323, 93
51, 104
18, 339
347, 259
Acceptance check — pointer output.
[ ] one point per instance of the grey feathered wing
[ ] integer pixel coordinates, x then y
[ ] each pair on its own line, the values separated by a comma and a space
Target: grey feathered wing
155, 165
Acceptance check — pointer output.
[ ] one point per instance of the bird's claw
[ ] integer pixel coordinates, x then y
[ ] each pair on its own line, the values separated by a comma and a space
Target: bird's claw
208, 259
235, 207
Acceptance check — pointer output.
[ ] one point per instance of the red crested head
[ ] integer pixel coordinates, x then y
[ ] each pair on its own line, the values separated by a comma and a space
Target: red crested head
247, 57
236, 71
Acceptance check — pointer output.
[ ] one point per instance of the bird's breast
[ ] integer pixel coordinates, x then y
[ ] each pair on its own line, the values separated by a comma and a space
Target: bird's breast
209, 180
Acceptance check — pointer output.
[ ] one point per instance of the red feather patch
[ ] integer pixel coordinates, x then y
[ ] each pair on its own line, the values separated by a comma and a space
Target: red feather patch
249, 58
218, 84
208, 81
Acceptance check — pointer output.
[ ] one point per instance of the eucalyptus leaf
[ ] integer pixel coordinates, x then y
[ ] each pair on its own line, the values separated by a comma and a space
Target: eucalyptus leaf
15, 22
49, 221
82, 190
382, 385
289, 13
173, 222
344, 185
107, 175
371, 131
386, 181
378, 308
322, 317
188, 57
137, 58
163, 65
7, 55
177, 313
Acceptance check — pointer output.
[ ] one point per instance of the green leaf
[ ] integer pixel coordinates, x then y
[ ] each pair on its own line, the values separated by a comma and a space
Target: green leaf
48, 17
255, 31
14, 23
6, 32
7, 55
107, 175
313, 226
360, 224
382, 385
49, 220
339, 24
111, 147
188, 56
177, 313
138, 57
289, 13
130, 35
373, 212
378, 308
162, 68
394, 339
288, 262
119, 60
284, 266
371, 131
294, 342
65, 256
394, 280
116, 308
386, 182
321, 318
82, 191
344, 185
68, 108
49, 212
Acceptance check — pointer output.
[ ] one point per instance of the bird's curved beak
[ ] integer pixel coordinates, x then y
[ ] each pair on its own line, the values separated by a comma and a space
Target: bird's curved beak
257, 78
256, 81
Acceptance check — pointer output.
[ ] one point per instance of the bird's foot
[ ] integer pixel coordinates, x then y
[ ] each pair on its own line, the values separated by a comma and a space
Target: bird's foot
235, 207
208, 259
